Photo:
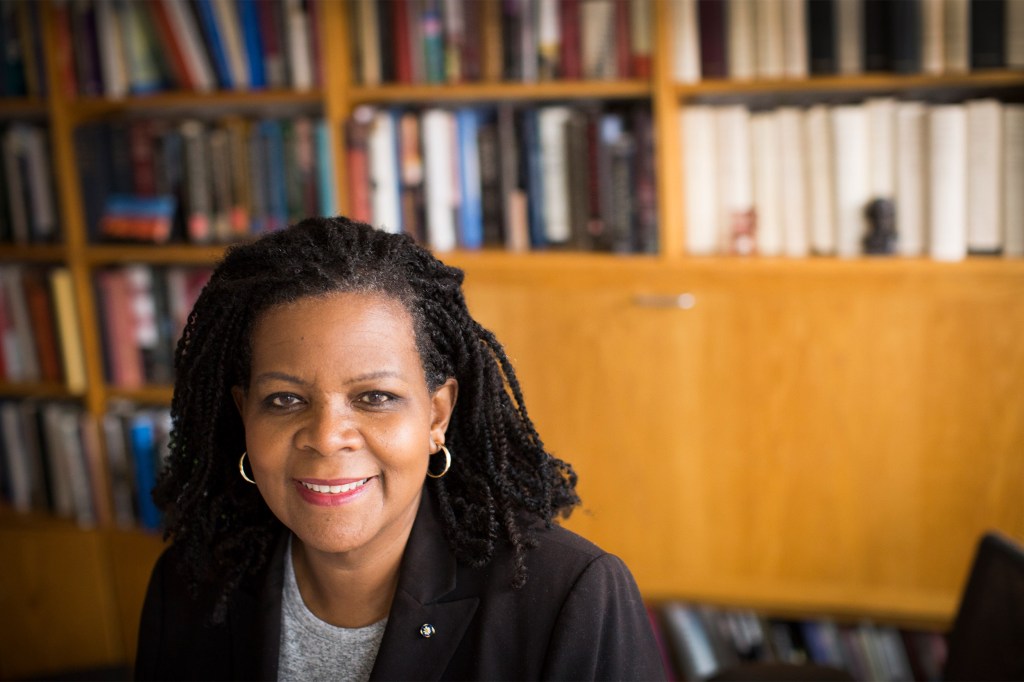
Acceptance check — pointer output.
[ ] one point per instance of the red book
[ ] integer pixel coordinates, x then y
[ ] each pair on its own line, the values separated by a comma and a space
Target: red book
313, 10
570, 59
269, 15
623, 48
65, 48
403, 44
44, 330
140, 149
357, 158
172, 47
122, 349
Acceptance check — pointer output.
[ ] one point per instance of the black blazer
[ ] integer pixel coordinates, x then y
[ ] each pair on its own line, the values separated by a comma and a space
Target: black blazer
579, 616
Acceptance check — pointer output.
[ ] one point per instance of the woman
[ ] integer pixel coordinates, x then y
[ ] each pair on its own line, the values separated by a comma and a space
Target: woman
355, 490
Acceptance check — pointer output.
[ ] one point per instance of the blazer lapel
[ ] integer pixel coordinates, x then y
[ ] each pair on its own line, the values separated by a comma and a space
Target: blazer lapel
423, 632
255, 620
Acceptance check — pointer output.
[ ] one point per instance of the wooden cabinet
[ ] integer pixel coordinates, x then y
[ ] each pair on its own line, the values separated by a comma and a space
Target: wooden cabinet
825, 437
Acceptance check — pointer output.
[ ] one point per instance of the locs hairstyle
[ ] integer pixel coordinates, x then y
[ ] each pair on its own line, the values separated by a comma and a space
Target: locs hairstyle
502, 480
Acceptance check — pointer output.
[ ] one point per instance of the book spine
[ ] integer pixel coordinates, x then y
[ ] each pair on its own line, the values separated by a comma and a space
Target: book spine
207, 17
852, 188
985, 145
384, 174
1013, 179
252, 38
438, 146
471, 227
947, 181
911, 172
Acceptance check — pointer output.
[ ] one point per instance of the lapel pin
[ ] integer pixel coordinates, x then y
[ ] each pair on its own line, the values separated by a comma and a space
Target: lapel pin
427, 630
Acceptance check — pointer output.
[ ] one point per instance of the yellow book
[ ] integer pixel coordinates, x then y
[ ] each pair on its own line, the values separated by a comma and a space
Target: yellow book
69, 330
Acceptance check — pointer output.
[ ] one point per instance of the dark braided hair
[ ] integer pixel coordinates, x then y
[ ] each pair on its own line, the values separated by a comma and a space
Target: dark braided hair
504, 479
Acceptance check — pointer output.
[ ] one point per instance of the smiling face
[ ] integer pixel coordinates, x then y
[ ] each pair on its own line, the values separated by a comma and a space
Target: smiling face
339, 421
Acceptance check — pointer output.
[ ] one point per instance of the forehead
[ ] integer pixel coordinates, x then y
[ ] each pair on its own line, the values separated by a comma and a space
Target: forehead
337, 322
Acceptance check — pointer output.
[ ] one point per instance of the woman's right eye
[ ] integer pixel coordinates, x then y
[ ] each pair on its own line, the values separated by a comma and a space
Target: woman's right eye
282, 400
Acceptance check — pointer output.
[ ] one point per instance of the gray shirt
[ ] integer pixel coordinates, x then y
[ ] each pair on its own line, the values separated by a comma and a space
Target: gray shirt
312, 649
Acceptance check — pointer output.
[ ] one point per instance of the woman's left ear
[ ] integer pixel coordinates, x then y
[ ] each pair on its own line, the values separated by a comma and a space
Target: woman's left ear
442, 404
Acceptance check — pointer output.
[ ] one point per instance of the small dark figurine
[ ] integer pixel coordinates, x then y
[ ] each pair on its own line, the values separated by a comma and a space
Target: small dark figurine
881, 236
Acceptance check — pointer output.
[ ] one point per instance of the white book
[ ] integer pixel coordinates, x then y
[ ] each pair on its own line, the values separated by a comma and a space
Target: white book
984, 176
549, 38
27, 367
384, 180
947, 182
439, 188
597, 39
742, 41
296, 29
1013, 180
881, 113
933, 37
735, 176
850, 137
957, 23
793, 159
700, 179
685, 41
79, 478
231, 35
186, 30
551, 121
850, 35
367, 45
771, 53
820, 179
911, 173
40, 189
641, 30
1015, 34
764, 135
794, 38
111, 48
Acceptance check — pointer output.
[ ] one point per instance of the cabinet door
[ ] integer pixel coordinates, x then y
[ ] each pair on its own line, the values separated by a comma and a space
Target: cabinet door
821, 437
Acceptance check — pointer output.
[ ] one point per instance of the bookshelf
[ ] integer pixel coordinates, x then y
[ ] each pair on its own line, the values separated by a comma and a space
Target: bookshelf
754, 484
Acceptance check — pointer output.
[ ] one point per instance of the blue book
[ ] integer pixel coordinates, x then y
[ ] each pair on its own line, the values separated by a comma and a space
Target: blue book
250, 25
277, 195
160, 206
142, 438
534, 169
471, 219
326, 184
214, 42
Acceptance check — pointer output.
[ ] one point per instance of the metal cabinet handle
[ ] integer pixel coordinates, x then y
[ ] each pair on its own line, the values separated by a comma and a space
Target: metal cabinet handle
684, 301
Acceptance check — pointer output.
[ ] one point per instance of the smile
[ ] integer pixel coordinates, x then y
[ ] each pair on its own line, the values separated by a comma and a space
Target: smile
334, 489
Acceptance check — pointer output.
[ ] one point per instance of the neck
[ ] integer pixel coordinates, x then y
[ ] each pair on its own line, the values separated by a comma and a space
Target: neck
346, 592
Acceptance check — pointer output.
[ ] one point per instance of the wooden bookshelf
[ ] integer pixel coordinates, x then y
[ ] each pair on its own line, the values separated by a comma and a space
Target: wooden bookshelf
818, 435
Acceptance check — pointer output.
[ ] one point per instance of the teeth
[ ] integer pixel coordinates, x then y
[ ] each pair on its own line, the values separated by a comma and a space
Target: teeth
335, 489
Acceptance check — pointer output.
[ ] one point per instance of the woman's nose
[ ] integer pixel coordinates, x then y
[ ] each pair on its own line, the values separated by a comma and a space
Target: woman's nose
330, 429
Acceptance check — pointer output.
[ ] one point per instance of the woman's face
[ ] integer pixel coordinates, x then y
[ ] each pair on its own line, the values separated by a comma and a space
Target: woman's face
339, 421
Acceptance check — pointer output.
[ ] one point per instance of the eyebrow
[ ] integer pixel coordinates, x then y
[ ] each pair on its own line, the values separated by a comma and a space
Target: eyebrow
284, 376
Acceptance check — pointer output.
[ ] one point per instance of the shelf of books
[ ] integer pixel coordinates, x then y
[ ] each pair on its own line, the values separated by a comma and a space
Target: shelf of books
545, 139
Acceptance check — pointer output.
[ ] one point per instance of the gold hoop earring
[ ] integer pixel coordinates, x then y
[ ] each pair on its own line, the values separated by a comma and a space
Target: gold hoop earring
241, 468
447, 463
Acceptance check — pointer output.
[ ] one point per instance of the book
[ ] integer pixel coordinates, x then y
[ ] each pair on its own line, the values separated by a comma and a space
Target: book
879, 41
795, 39
410, 159
19, 347
1013, 179
552, 121
124, 364
713, 35
850, 36
947, 182
744, 35
700, 180
366, 34
793, 181
911, 175
737, 218
252, 41
43, 328
437, 126
215, 41
852, 181
1014, 35
382, 146
142, 439
907, 48
985, 148
822, 39
765, 162
933, 29
471, 226
769, 34
987, 34
597, 39
956, 22
686, 63
113, 64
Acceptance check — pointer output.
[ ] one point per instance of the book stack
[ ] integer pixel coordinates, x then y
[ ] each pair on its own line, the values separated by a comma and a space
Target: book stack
158, 180
775, 39
143, 310
22, 69
114, 48
877, 177
28, 211
457, 41
40, 336
507, 176
50, 461
702, 640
